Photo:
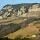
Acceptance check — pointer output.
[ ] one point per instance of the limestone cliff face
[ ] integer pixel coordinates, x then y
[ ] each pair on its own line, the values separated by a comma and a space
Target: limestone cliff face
22, 11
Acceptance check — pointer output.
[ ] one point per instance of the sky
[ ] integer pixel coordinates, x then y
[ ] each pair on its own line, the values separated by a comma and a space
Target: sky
5, 2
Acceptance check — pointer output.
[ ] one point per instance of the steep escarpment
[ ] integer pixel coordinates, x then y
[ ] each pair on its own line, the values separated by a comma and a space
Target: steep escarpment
22, 21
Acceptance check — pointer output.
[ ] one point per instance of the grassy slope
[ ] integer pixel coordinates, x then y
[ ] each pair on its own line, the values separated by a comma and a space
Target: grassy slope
29, 30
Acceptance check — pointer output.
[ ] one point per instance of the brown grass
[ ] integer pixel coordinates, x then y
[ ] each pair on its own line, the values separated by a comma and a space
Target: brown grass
29, 30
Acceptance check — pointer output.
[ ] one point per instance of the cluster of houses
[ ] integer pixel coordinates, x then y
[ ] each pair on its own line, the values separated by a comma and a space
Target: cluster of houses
9, 11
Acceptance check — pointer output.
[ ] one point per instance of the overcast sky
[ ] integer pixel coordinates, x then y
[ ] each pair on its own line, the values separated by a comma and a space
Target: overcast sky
4, 2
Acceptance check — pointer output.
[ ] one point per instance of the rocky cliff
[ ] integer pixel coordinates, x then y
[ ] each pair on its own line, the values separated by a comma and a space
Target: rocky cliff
12, 19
